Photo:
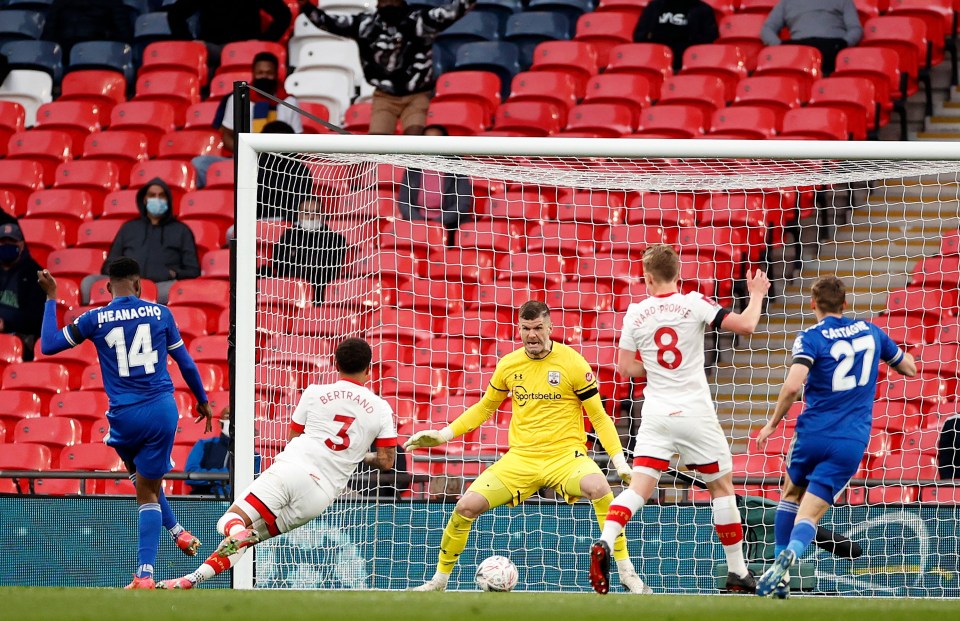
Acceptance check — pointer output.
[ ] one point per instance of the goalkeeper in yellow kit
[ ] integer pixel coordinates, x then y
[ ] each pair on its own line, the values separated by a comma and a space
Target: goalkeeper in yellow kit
551, 384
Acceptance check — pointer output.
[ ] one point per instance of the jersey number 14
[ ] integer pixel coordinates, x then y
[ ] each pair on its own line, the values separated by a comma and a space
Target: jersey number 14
845, 353
140, 354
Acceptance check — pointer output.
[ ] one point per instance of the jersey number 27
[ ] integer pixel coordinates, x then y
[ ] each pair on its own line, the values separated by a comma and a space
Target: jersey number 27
845, 352
140, 354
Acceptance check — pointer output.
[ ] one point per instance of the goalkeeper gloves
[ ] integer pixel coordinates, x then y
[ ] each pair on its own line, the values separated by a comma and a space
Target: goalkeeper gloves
624, 471
429, 438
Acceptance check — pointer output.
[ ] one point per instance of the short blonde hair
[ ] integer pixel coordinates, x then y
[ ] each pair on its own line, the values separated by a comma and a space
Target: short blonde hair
661, 262
829, 294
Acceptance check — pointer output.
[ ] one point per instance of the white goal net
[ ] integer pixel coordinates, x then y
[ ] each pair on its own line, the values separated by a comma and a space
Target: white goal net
426, 247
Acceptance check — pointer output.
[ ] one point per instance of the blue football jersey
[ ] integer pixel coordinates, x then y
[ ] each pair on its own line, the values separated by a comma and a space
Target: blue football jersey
132, 338
843, 356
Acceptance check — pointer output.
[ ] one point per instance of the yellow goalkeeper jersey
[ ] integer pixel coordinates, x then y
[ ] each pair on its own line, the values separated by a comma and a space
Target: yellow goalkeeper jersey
549, 396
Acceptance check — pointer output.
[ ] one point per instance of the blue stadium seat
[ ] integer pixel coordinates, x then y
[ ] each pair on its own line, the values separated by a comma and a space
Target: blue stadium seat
150, 27
471, 28
497, 57
501, 9
534, 27
28, 5
17, 25
571, 8
43, 55
104, 55
139, 7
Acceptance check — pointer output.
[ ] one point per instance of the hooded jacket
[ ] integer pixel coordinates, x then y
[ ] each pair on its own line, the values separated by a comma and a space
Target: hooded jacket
168, 245
677, 24
21, 298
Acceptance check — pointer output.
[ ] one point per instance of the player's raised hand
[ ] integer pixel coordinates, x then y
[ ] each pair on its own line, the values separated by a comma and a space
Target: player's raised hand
764, 435
428, 438
624, 471
205, 412
758, 283
48, 283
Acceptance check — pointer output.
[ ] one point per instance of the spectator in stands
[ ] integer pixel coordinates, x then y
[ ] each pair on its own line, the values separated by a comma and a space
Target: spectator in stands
214, 455
74, 21
310, 250
7, 218
948, 449
21, 298
263, 110
678, 24
227, 21
436, 196
396, 53
828, 25
162, 245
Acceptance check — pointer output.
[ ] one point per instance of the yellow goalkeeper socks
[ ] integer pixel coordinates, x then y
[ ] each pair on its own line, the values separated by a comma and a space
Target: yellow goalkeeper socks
453, 542
600, 507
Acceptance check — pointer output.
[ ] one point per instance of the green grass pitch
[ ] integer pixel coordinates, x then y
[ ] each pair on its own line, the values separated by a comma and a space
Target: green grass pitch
25, 604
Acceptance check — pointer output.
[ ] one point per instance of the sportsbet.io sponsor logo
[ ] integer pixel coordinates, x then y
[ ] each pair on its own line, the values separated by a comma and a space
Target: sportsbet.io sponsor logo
521, 396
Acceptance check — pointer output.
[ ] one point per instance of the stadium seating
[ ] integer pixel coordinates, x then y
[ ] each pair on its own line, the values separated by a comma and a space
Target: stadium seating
31, 89
815, 124
498, 57
88, 407
110, 55
671, 121
854, 97
780, 94
459, 118
796, 61
579, 59
471, 28
744, 123
176, 55
743, 30
478, 87
554, 87
46, 56
54, 432
724, 61
605, 30
907, 36
651, 60
633, 91
20, 24
47, 147
330, 87
529, 29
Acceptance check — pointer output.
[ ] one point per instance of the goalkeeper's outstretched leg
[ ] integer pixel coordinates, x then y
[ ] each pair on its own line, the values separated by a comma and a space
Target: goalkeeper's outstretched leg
454, 538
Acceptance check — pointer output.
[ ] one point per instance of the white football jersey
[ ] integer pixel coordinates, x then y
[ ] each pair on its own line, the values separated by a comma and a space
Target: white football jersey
339, 423
668, 333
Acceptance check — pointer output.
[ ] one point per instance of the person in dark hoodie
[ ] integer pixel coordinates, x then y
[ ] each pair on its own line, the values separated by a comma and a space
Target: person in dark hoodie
677, 24
74, 21
310, 250
21, 298
162, 245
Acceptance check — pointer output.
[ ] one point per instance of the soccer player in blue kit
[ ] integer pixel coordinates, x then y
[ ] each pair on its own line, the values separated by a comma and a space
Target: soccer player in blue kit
835, 363
133, 338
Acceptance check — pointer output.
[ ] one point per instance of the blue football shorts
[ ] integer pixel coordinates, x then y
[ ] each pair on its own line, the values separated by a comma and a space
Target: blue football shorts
824, 466
144, 433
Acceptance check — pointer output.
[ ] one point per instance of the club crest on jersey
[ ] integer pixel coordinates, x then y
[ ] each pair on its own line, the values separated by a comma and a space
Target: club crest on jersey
553, 378
588, 377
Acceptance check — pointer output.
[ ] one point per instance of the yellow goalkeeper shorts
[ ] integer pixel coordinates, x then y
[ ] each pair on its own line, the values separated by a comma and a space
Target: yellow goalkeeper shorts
515, 477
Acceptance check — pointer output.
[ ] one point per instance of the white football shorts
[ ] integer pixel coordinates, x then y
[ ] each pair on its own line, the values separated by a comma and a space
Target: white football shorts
699, 441
285, 497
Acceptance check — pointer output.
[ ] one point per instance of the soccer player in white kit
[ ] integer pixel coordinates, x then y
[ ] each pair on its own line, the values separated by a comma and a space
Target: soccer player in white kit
332, 428
666, 329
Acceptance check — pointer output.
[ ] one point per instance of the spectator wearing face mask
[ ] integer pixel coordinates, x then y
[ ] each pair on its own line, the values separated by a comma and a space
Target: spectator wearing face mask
21, 298
214, 455
162, 245
311, 250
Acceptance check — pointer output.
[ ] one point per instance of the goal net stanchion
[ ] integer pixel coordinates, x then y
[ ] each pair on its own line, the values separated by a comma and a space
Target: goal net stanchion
566, 221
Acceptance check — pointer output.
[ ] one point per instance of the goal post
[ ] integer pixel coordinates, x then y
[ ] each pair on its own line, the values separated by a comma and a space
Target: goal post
565, 220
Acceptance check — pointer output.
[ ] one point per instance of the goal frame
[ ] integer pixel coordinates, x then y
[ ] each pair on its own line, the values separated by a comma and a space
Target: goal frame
250, 145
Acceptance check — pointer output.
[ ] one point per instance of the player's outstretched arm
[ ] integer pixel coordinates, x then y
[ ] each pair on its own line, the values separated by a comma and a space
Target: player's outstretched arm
52, 338
607, 433
789, 392
746, 322
384, 458
476, 415
342, 25
907, 366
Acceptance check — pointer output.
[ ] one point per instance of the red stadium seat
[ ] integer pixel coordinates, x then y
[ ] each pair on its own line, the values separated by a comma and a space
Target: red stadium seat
86, 406
567, 238
216, 264
21, 178
284, 293
69, 207
211, 205
17, 405
724, 61
905, 330
460, 118
122, 148
554, 87
939, 358
44, 378
702, 91
98, 234
777, 93
450, 353
25, 456
597, 207
46, 147
528, 118
221, 84
211, 296
895, 416
949, 331
53, 432
925, 391
578, 58
43, 236
762, 7
104, 88
189, 432
922, 440
534, 270
815, 124
939, 18
854, 97
744, 123
418, 238
187, 144
940, 272
12, 117
600, 120
671, 121
8, 202
240, 54
211, 350
950, 243
202, 115
792, 61
77, 118
97, 178
766, 467
651, 60
180, 89
928, 304
418, 383
120, 206
907, 36
479, 87
11, 349
580, 297
76, 262
220, 176
310, 126
176, 55
905, 467
211, 376
777, 444
743, 30
632, 90
357, 117
630, 241
153, 119
605, 30
87, 457
436, 297
74, 359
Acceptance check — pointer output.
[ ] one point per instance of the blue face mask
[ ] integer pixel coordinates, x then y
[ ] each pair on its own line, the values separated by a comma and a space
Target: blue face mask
156, 207
9, 253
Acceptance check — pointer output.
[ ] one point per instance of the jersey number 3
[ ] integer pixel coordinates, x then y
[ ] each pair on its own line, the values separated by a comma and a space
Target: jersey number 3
345, 422
845, 353
140, 354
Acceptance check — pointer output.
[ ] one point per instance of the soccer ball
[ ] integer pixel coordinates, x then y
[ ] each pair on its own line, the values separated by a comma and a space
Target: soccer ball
497, 574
